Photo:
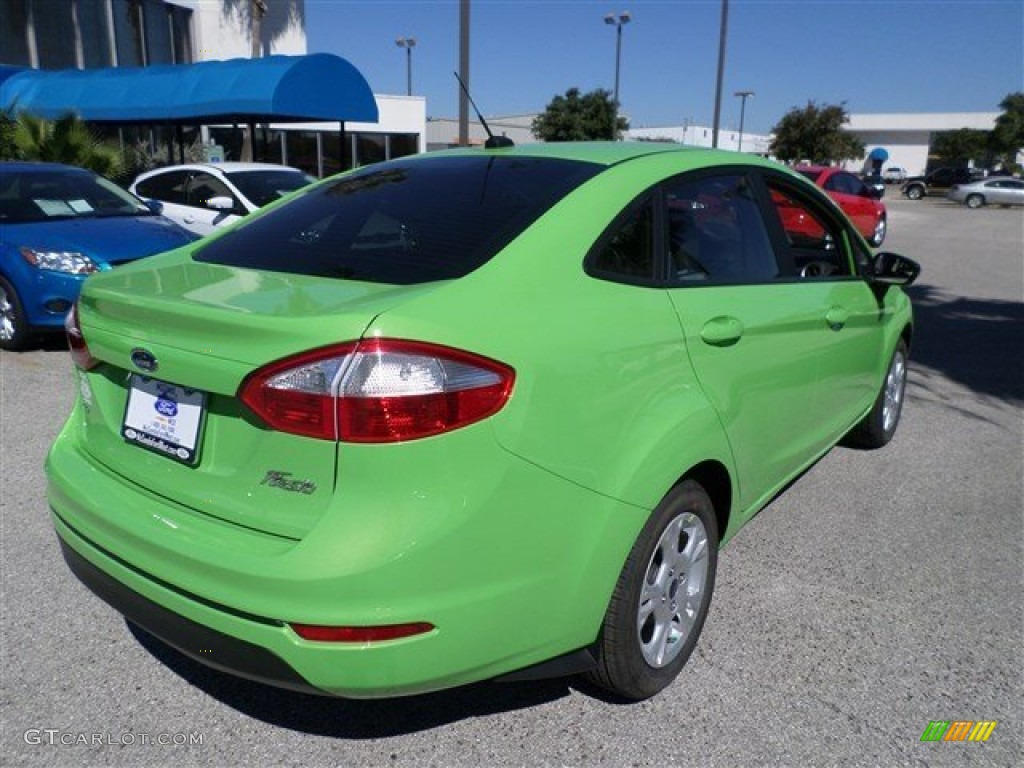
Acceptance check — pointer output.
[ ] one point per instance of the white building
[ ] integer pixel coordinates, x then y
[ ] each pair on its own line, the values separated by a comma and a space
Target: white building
701, 136
907, 137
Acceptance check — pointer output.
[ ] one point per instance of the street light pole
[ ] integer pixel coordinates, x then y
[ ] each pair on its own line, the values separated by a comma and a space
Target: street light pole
723, 33
618, 22
744, 95
408, 43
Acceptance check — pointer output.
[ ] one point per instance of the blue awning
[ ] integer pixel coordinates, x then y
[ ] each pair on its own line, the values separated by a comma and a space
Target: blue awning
318, 86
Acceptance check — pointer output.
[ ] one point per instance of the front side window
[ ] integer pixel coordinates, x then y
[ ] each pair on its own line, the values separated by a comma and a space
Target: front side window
203, 187
814, 240
404, 222
716, 232
167, 187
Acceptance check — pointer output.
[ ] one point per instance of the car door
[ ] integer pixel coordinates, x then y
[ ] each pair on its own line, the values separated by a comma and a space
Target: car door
203, 187
827, 272
1005, 192
754, 340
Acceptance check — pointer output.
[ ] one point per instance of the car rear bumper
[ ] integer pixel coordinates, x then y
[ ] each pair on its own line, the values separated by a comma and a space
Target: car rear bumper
521, 577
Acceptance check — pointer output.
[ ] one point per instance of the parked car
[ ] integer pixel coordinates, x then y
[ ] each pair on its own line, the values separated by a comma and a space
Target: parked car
894, 174
59, 224
938, 182
858, 200
469, 415
999, 190
204, 196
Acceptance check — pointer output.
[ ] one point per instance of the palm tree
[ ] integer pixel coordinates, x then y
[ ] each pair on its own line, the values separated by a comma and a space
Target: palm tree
64, 140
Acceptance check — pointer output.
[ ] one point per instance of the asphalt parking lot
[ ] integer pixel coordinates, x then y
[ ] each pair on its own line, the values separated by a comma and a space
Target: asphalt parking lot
883, 590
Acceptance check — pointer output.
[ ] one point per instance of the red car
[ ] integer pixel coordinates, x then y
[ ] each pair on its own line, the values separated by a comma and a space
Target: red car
859, 202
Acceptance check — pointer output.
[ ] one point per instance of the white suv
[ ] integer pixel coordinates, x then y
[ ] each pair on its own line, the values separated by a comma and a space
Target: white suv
204, 196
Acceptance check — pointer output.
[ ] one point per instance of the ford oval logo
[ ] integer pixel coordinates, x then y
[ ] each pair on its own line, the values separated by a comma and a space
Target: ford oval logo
144, 360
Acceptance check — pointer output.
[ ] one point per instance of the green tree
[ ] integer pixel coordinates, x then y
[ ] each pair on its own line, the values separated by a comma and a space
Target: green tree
8, 149
1008, 136
64, 140
961, 146
572, 117
816, 133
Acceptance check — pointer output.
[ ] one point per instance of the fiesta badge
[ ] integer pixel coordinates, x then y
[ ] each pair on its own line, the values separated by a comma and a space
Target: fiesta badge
144, 360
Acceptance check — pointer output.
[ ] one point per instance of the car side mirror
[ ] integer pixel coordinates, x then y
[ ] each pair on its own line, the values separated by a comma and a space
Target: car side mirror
154, 205
220, 203
893, 269
876, 193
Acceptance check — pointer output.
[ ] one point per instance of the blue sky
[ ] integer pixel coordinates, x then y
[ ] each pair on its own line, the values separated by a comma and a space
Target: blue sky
876, 55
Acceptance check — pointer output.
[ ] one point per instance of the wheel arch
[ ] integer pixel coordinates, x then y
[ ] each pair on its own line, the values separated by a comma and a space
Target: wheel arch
907, 334
715, 479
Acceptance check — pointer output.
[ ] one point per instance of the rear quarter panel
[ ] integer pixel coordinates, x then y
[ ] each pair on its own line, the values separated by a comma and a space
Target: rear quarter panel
604, 394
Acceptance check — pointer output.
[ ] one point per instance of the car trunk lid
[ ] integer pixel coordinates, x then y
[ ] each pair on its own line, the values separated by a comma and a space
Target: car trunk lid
175, 343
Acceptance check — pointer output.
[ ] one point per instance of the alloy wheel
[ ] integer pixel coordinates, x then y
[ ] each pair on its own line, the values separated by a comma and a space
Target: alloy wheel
673, 590
895, 384
7, 316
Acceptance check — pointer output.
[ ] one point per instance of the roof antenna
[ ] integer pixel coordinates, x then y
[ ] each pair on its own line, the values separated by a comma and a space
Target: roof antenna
493, 142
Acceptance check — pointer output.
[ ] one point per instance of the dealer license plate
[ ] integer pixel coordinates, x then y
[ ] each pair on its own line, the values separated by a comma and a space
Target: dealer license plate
164, 418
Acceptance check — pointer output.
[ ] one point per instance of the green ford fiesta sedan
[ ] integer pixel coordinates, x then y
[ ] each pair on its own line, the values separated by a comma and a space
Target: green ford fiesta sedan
469, 415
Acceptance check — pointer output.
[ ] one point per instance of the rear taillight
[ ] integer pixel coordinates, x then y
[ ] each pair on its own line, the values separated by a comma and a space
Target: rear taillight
377, 391
80, 354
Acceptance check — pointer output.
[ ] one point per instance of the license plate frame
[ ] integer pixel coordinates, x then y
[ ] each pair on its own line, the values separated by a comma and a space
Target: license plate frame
164, 418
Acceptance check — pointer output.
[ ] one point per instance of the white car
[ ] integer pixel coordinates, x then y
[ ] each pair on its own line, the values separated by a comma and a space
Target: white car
894, 175
202, 197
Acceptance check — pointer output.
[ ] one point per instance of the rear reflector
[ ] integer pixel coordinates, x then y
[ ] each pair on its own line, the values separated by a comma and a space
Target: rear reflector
360, 634
377, 391
80, 354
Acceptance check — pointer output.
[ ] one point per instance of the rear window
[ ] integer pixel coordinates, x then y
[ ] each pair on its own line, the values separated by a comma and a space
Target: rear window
403, 222
812, 175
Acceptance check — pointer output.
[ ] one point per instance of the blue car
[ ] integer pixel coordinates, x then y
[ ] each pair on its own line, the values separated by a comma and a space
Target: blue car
58, 225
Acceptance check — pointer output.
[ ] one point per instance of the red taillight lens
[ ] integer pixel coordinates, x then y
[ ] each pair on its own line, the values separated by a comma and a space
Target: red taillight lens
377, 391
80, 354
360, 634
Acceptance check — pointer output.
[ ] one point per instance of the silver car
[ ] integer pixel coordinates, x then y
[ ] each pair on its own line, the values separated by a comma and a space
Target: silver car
1000, 190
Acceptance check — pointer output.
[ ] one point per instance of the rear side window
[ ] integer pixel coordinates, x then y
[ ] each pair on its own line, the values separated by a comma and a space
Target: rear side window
404, 222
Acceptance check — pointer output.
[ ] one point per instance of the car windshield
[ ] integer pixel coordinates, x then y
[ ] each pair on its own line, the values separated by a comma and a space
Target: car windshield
812, 175
403, 222
263, 187
30, 196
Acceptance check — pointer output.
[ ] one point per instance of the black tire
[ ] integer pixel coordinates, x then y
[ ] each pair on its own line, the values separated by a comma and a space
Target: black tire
915, 191
15, 333
685, 519
878, 427
974, 201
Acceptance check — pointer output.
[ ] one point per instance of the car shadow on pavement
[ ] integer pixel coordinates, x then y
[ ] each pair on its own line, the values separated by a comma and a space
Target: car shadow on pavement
978, 343
351, 718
